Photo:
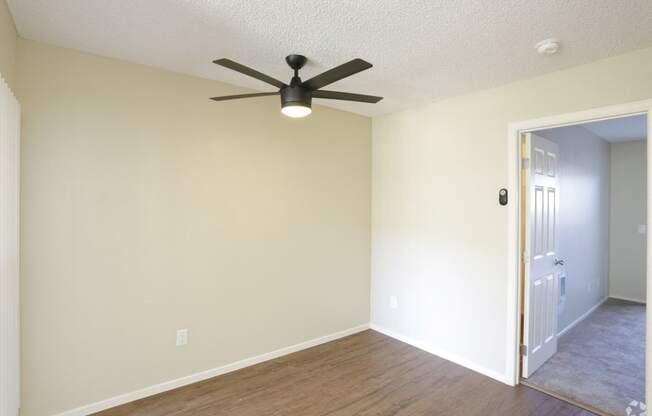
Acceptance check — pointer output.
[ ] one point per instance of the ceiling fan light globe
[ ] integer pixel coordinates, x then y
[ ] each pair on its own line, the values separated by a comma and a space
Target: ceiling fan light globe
296, 111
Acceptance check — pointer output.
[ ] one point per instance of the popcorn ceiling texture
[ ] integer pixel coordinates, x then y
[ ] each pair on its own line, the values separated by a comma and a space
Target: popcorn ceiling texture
422, 50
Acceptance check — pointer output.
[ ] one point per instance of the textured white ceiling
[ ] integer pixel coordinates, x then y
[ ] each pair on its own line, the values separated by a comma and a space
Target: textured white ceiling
422, 50
620, 129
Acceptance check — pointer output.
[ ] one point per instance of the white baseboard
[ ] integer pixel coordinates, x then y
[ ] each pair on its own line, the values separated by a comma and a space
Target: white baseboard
627, 299
204, 375
502, 377
581, 318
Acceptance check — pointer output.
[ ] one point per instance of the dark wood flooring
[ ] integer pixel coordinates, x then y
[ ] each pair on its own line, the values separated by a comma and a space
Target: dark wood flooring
364, 374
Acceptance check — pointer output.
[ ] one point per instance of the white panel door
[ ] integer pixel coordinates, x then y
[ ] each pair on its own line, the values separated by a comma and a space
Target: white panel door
541, 177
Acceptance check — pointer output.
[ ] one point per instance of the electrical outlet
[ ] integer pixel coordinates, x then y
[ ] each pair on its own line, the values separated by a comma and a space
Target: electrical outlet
393, 302
182, 337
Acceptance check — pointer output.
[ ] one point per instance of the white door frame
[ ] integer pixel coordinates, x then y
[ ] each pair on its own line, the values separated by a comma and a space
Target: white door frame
514, 230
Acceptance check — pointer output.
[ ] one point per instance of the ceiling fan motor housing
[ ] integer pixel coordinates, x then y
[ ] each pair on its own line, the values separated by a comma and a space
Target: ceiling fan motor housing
296, 95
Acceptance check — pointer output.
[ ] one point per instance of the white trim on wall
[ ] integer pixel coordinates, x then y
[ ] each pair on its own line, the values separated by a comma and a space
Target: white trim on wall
513, 230
9, 251
204, 375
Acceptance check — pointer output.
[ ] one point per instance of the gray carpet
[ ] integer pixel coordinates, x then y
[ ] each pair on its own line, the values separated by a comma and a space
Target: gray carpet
601, 361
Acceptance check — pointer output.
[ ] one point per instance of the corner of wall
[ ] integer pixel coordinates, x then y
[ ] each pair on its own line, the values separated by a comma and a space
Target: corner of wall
8, 44
446, 355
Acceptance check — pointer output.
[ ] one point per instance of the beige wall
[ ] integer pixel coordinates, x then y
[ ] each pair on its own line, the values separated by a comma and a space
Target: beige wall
439, 236
8, 39
627, 248
147, 207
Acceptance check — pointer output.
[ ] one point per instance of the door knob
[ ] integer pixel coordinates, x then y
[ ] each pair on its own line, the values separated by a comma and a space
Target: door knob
559, 262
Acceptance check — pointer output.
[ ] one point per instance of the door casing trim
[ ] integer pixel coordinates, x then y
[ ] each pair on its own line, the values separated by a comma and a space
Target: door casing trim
514, 248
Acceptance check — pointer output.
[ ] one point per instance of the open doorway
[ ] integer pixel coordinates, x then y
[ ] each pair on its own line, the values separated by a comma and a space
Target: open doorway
583, 270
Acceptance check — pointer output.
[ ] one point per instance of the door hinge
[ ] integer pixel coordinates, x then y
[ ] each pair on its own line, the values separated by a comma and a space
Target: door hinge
523, 350
525, 257
525, 163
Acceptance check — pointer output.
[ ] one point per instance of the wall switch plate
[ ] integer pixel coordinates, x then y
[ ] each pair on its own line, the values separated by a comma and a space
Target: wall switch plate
393, 302
182, 337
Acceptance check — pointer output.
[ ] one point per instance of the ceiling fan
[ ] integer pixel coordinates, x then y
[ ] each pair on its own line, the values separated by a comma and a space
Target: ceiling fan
296, 98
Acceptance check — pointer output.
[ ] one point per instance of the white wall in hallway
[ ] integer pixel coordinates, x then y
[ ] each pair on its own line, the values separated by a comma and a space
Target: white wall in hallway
628, 208
583, 218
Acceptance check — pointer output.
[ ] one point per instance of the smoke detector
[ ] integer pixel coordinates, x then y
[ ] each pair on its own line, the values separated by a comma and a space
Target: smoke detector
548, 46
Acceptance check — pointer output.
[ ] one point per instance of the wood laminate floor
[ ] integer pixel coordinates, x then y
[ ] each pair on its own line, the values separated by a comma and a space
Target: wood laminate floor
363, 374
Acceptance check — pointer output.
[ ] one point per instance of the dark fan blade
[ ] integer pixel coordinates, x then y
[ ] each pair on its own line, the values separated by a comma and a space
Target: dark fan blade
227, 63
235, 97
346, 96
337, 73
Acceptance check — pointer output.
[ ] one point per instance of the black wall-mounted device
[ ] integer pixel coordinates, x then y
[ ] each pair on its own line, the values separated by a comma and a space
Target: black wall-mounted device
502, 196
